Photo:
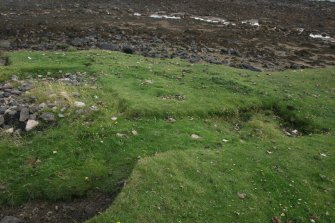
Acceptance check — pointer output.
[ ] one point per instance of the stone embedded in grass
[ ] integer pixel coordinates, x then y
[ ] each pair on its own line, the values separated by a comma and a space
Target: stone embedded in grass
17, 132
31, 124
195, 136
76, 94
134, 132
114, 118
9, 131
323, 154
291, 133
80, 112
121, 135
94, 108
147, 82
48, 117
241, 195
171, 120
79, 104
225, 140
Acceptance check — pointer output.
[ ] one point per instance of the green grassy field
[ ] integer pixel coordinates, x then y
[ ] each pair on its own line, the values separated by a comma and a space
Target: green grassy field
239, 115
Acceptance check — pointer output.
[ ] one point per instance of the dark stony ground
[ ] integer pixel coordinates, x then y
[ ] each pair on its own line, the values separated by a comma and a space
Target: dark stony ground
282, 39
78, 210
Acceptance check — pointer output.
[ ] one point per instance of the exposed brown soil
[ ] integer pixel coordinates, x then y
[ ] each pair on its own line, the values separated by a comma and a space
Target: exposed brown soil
77, 210
277, 43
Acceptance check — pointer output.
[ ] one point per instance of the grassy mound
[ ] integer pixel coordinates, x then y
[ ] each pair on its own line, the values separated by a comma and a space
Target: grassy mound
240, 117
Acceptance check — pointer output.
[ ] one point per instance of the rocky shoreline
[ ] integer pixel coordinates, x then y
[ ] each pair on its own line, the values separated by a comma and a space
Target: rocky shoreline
285, 36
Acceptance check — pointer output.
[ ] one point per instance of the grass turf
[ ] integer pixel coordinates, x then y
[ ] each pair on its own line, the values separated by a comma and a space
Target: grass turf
177, 178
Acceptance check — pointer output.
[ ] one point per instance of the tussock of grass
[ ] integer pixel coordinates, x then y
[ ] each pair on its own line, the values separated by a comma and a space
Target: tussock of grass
239, 115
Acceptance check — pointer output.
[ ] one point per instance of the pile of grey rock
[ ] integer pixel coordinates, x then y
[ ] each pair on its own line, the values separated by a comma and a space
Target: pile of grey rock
18, 113
21, 112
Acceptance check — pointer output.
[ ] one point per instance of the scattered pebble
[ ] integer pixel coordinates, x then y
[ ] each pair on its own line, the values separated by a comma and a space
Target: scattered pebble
195, 136
121, 135
94, 108
147, 82
323, 154
171, 120
241, 195
79, 104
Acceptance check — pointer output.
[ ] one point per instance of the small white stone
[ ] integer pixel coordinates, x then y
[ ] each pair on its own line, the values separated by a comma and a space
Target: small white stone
225, 140
241, 195
295, 131
94, 108
120, 135
79, 104
194, 136
170, 119
323, 154
114, 118
9, 131
135, 133
148, 82
31, 124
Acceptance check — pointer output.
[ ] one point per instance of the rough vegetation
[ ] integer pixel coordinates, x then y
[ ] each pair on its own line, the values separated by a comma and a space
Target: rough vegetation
186, 142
